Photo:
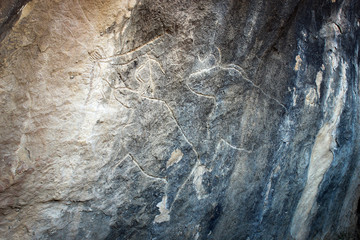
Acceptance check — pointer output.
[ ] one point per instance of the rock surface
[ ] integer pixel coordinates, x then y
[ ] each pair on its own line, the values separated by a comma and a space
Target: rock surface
179, 119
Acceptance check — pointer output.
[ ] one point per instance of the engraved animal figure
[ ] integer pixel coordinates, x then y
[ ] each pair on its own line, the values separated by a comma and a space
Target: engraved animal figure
221, 82
128, 76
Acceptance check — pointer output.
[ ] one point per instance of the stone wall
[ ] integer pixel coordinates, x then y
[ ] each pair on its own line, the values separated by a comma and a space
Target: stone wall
157, 119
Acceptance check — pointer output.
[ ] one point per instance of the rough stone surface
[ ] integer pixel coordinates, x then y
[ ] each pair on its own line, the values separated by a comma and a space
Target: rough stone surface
157, 119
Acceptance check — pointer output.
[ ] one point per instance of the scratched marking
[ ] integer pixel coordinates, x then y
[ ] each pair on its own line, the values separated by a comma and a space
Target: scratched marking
210, 65
148, 70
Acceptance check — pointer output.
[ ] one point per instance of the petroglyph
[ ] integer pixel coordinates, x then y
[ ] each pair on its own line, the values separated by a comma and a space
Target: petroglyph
125, 58
167, 120
226, 80
146, 73
178, 155
210, 66
95, 68
140, 67
96, 54
144, 171
236, 148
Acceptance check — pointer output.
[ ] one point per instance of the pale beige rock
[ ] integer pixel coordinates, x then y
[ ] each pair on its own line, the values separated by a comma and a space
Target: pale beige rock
48, 128
175, 157
298, 63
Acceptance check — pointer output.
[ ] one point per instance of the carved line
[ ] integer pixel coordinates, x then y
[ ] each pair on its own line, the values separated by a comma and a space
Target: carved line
176, 121
137, 75
107, 59
143, 170
76, 39
187, 140
90, 82
201, 94
123, 104
152, 84
220, 55
117, 164
241, 72
234, 147
139, 79
212, 110
84, 15
97, 58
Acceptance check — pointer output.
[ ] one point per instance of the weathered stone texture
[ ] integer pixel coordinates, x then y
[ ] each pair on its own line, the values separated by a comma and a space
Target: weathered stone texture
179, 119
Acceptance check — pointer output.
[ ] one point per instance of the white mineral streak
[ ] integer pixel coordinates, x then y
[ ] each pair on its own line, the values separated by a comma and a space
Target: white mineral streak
318, 80
320, 161
294, 97
164, 212
197, 181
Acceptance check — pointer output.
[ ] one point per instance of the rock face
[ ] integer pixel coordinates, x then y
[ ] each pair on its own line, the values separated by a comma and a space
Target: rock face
156, 119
